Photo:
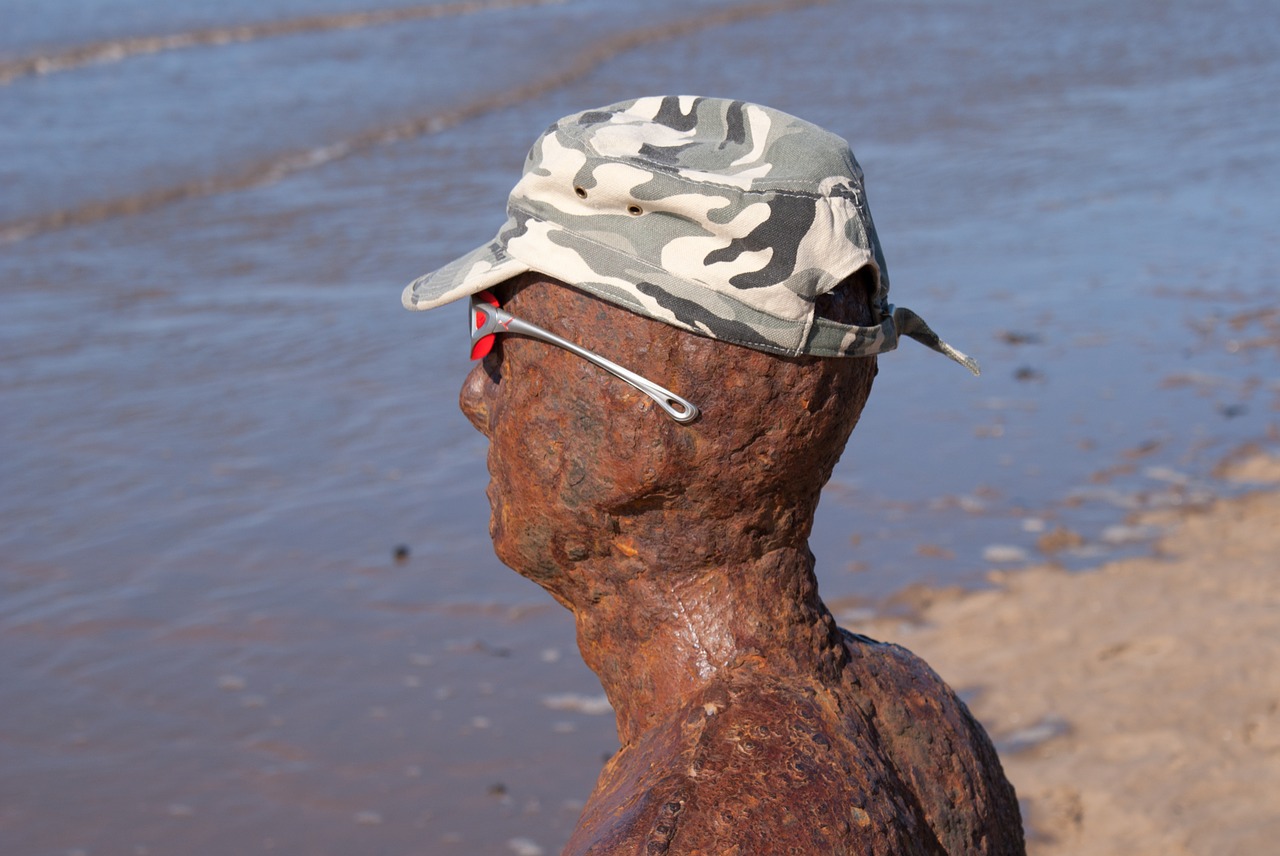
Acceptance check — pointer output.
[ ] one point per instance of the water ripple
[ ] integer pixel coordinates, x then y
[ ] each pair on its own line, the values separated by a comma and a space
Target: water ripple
116, 50
282, 166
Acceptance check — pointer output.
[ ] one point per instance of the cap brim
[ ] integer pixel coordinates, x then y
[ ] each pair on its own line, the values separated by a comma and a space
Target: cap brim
477, 270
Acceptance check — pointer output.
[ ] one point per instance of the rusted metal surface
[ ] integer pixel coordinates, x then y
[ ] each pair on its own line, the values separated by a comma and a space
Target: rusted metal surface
886, 761
749, 723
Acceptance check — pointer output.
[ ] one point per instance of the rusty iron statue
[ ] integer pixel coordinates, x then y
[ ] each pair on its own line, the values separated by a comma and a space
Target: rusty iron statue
690, 297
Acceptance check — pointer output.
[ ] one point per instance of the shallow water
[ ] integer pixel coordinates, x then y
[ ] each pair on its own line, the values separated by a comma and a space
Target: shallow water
218, 421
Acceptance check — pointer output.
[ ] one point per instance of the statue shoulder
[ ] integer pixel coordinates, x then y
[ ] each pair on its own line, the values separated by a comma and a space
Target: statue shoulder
942, 752
767, 764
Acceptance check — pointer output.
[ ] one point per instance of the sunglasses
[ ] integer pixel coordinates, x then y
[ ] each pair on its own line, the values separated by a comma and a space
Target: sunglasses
488, 319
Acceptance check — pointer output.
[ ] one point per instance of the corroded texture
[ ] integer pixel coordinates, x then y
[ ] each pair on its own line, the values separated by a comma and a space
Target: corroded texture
886, 761
749, 722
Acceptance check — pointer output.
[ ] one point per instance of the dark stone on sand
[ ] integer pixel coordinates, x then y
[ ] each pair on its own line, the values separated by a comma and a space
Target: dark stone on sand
1013, 337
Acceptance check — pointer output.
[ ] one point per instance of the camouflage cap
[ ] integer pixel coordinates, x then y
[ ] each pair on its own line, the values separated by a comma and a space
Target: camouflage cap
723, 218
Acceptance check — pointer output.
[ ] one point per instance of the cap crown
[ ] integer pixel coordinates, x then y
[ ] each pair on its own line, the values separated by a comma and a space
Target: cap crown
720, 217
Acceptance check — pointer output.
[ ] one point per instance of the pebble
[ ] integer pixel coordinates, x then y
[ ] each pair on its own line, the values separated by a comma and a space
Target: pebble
525, 847
1128, 534
1058, 540
934, 551
368, 818
1026, 374
1166, 474
1004, 553
594, 705
1032, 736
1018, 337
232, 683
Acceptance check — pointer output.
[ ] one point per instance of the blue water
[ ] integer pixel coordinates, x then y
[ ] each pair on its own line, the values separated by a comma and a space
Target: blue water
218, 422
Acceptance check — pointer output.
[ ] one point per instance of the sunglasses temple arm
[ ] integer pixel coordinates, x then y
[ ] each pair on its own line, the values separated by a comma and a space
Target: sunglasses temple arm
679, 409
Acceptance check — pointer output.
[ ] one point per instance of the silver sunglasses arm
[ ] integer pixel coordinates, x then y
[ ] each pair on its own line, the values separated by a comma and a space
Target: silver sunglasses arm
679, 409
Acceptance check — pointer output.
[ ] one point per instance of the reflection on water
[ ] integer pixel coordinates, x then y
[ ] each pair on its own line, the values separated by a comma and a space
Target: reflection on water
219, 424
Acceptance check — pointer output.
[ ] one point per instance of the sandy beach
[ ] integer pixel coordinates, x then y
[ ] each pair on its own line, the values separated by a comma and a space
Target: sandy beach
1137, 706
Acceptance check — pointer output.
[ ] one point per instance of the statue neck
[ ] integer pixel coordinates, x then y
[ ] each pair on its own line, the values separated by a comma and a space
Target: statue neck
656, 635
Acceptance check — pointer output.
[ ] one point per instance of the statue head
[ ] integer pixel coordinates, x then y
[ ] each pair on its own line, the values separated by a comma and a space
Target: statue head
687, 297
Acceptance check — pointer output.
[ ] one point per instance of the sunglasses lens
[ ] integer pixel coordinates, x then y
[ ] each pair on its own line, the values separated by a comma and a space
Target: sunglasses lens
482, 347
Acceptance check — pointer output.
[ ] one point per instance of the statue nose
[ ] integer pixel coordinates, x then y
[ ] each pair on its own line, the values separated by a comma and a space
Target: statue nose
476, 397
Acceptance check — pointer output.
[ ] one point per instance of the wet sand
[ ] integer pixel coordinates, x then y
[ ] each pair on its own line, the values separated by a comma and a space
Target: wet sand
1137, 706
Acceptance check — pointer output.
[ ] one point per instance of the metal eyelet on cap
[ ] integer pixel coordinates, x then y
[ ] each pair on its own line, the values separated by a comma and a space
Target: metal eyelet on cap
635, 210
581, 191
